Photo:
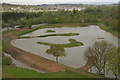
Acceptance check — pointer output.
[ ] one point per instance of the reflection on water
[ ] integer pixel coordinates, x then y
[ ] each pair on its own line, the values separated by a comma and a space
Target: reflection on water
75, 55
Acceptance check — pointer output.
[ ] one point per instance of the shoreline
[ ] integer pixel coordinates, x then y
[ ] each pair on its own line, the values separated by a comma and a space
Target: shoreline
22, 54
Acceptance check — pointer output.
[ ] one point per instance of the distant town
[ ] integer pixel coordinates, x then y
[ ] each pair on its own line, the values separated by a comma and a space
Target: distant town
44, 7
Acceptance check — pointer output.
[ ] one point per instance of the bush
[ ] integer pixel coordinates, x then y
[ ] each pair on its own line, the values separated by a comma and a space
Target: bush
6, 60
22, 26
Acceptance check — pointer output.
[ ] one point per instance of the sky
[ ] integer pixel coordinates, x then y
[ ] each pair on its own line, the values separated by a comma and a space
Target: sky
35, 2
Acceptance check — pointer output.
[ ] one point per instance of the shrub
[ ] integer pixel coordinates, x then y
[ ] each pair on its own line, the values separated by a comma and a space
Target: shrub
6, 60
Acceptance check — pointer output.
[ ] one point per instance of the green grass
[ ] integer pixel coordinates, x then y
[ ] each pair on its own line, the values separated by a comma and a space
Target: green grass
10, 30
16, 72
73, 43
28, 31
6, 60
66, 34
49, 31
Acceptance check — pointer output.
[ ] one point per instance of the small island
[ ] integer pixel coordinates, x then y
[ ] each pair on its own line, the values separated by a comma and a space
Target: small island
49, 31
47, 35
73, 43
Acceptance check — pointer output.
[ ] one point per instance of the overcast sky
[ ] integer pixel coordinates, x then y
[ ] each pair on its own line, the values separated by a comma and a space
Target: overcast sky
52, 1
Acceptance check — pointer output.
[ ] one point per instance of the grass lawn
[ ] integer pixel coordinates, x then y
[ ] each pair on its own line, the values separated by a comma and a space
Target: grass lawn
16, 72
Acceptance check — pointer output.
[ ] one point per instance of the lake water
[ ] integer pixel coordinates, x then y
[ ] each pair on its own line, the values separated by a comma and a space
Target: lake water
75, 55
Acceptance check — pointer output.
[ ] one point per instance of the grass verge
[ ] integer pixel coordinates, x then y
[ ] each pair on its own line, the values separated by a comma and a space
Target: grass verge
16, 72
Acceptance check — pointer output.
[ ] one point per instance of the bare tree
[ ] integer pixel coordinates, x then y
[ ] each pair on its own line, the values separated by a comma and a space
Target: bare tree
97, 54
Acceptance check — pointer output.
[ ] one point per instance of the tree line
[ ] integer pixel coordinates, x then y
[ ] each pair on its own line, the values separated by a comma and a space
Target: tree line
107, 15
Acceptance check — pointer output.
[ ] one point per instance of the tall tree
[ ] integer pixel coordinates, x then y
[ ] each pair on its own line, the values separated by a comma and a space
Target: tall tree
56, 51
97, 54
113, 58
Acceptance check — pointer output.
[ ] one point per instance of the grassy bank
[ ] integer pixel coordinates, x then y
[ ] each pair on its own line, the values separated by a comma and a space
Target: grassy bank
16, 72
73, 43
108, 29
